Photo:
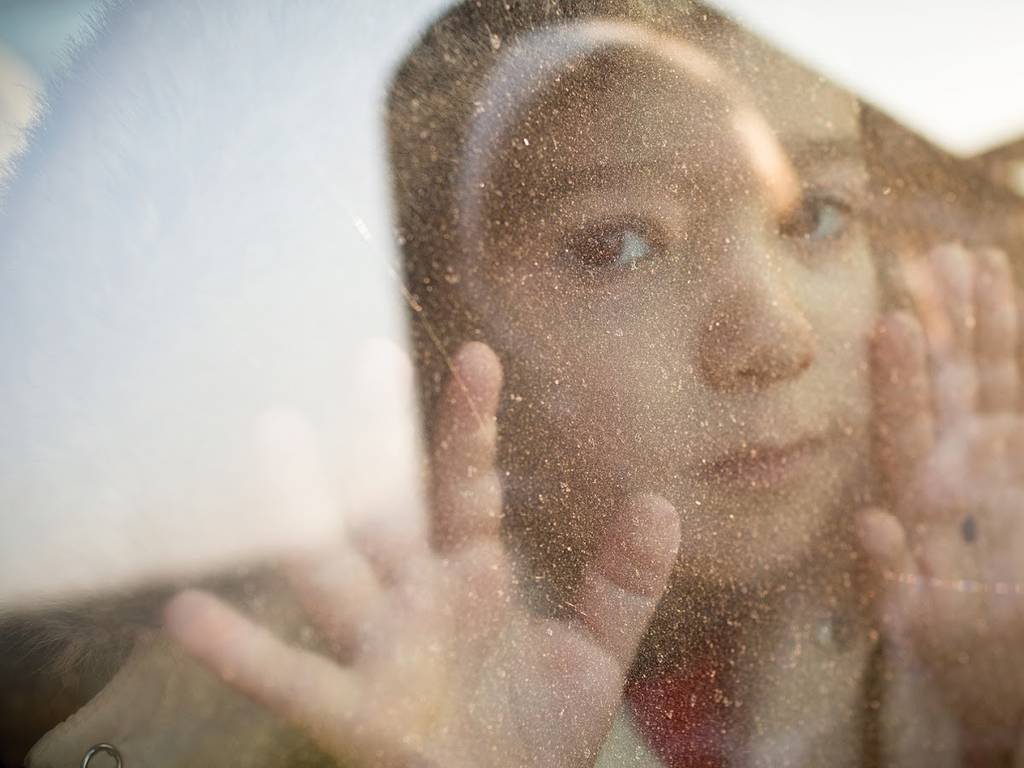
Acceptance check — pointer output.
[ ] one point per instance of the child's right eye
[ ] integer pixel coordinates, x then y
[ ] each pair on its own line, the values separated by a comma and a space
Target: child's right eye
620, 244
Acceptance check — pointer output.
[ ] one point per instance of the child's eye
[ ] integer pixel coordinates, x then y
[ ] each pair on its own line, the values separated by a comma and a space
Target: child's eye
613, 245
818, 217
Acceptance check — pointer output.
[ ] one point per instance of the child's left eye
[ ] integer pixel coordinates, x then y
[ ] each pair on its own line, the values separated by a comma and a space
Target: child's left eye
819, 217
613, 245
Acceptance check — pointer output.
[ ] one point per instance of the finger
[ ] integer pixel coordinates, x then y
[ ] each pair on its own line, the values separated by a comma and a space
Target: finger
938, 286
340, 592
929, 306
623, 586
954, 271
301, 687
467, 489
904, 428
482, 601
955, 384
883, 539
996, 333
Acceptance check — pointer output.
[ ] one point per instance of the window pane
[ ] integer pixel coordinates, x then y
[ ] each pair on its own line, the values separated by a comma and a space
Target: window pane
717, 367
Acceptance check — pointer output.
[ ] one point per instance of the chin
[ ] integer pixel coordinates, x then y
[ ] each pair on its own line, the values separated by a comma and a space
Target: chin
751, 537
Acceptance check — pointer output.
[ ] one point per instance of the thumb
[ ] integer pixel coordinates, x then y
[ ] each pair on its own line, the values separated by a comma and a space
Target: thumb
622, 587
884, 540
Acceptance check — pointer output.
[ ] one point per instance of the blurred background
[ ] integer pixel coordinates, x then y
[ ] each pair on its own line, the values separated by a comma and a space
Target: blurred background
34, 38
37, 31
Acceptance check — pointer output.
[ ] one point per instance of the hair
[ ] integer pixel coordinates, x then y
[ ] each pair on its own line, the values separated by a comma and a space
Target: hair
928, 197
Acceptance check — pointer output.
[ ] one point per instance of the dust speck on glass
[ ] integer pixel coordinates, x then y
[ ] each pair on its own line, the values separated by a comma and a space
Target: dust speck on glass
718, 371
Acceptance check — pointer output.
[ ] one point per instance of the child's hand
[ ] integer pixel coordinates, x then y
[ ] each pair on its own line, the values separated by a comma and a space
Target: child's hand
437, 661
951, 450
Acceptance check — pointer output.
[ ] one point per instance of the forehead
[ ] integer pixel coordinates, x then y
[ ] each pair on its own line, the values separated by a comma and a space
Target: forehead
630, 105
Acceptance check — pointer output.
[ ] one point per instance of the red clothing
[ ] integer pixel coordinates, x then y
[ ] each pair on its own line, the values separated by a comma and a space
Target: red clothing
683, 716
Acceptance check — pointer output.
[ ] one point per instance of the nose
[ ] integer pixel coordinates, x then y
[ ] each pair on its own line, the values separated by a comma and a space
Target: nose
756, 334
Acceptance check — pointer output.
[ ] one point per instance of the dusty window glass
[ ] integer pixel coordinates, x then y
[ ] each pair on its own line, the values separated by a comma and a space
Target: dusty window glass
718, 375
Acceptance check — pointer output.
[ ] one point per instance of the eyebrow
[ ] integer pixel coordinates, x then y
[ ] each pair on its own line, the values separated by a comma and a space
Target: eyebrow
570, 179
806, 153
803, 150
567, 182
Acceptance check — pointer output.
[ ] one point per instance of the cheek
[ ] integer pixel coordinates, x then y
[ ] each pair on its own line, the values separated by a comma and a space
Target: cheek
610, 364
631, 377
853, 299
842, 303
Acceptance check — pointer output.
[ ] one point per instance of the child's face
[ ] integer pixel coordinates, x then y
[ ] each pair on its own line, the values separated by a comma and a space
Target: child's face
685, 335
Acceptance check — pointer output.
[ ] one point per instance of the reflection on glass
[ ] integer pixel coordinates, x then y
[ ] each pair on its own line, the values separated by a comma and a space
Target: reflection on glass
20, 90
719, 371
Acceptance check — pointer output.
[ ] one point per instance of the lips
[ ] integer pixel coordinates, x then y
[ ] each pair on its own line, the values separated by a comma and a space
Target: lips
760, 465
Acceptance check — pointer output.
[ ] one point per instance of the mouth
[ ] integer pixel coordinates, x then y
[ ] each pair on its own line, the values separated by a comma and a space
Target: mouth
760, 466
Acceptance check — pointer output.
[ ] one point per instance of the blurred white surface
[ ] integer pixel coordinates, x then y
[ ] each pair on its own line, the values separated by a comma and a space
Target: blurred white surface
199, 243
950, 71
